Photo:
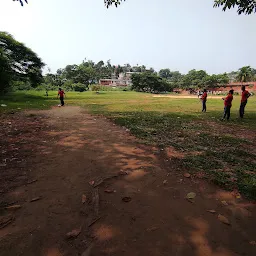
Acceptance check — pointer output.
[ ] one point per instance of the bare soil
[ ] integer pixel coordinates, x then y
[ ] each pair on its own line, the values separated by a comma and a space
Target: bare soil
182, 96
66, 171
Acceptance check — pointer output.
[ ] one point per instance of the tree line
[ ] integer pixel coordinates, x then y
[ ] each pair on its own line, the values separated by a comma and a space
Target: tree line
21, 68
80, 77
166, 80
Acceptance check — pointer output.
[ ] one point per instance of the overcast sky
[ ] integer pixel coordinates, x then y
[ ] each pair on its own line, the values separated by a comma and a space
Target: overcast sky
175, 34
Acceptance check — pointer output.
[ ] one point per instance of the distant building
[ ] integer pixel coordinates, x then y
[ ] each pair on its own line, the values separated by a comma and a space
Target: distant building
124, 79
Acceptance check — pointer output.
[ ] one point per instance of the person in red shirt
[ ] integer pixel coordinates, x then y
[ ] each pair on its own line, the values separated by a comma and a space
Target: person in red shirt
204, 99
227, 105
245, 96
61, 94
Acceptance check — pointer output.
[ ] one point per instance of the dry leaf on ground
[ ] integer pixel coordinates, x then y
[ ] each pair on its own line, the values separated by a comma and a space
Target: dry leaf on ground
152, 229
236, 194
13, 207
165, 182
126, 199
35, 199
84, 199
211, 211
122, 172
109, 191
223, 219
224, 203
252, 243
191, 195
92, 182
74, 233
187, 175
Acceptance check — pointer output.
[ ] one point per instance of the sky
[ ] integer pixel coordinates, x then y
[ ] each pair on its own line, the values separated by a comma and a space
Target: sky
175, 34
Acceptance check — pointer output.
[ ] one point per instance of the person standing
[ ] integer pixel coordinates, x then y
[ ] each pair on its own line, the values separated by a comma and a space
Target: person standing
204, 99
61, 94
227, 105
245, 96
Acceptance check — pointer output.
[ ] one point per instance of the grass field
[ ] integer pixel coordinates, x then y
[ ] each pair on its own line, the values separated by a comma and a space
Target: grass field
224, 152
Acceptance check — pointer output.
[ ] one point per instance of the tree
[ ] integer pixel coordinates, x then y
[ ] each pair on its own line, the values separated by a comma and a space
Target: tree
174, 77
18, 63
5, 74
21, 1
112, 2
212, 81
165, 73
194, 79
254, 74
245, 74
244, 6
149, 82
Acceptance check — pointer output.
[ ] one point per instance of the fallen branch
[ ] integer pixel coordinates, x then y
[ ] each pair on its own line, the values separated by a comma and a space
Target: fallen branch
96, 201
94, 221
36, 199
5, 221
32, 181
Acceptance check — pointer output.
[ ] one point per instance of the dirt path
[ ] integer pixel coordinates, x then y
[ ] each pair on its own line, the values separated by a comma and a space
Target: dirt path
180, 96
75, 149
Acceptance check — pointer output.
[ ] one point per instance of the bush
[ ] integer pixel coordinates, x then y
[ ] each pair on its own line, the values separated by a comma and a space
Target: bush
21, 86
67, 86
79, 87
127, 88
95, 88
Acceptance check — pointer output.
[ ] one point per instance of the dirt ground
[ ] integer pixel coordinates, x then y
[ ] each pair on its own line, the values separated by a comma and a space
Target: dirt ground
63, 170
179, 96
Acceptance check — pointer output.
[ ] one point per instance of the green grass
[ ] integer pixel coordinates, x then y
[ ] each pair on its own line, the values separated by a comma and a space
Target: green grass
224, 150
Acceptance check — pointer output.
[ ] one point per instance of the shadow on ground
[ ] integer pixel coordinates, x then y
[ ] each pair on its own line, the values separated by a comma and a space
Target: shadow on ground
74, 154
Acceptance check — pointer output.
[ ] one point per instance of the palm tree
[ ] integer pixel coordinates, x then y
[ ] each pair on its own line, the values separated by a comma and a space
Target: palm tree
244, 74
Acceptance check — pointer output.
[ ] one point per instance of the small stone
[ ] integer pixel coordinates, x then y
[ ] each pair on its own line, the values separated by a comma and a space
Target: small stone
187, 175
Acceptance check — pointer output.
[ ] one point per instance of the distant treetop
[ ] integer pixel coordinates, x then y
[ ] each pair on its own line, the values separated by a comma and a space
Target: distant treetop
244, 6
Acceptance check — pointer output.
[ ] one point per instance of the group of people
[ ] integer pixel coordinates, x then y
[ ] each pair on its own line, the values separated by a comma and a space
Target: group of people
228, 102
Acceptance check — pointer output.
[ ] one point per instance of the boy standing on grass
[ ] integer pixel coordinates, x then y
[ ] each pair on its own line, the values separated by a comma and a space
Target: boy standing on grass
245, 96
204, 99
227, 105
61, 94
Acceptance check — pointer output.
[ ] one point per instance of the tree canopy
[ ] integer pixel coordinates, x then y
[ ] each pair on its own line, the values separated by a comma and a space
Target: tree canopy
245, 74
21, 1
245, 6
18, 63
149, 82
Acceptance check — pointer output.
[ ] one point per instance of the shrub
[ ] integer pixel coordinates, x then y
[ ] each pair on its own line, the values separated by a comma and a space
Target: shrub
95, 88
21, 86
68, 85
79, 87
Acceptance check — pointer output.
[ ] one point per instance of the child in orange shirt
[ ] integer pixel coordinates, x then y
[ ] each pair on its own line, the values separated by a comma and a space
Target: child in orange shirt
227, 105
204, 99
245, 96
